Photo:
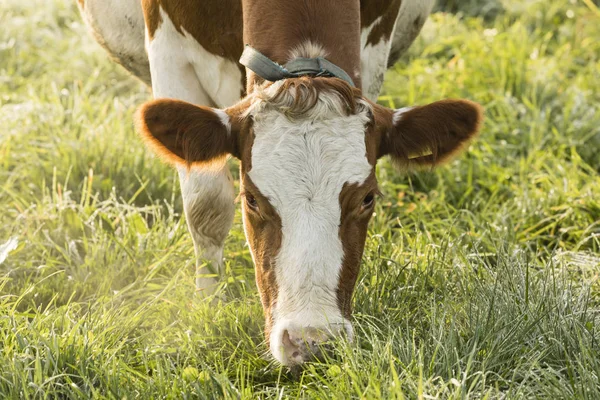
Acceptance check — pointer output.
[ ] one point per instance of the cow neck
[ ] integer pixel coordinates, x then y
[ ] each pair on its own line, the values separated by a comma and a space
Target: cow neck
277, 28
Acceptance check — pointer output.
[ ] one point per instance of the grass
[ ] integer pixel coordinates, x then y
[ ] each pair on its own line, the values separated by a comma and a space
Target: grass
479, 279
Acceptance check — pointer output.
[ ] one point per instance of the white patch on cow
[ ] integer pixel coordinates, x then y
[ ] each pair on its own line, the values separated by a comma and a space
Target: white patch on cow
308, 49
181, 61
220, 77
173, 75
301, 167
398, 114
357, 74
405, 30
374, 57
224, 117
373, 62
118, 25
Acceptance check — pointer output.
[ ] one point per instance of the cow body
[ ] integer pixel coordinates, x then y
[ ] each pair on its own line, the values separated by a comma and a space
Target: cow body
211, 35
307, 146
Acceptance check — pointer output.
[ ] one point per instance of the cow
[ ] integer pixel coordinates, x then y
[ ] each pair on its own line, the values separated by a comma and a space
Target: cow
308, 143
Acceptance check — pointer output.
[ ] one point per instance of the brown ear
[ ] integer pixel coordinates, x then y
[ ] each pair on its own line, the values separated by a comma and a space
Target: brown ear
432, 134
183, 133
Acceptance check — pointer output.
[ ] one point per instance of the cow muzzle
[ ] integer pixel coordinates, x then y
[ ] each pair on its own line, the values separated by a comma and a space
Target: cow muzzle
292, 345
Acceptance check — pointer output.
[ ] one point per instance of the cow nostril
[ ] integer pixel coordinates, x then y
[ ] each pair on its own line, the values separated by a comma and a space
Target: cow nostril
286, 339
296, 354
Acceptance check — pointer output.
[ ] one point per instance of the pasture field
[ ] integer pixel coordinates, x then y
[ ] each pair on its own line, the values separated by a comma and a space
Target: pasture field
479, 279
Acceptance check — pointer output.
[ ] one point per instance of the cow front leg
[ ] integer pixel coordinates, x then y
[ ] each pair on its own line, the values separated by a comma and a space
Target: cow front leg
208, 194
209, 205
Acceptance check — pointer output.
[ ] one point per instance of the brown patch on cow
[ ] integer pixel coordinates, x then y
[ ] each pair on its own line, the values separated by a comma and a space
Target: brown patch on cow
370, 10
388, 11
380, 125
353, 223
241, 127
263, 233
353, 233
152, 17
216, 25
183, 133
435, 132
335, 25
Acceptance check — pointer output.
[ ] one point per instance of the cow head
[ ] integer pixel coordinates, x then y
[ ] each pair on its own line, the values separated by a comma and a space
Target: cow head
307, 149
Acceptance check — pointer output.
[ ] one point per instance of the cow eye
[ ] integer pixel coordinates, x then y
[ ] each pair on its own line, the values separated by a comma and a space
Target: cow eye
251, 201
368, 201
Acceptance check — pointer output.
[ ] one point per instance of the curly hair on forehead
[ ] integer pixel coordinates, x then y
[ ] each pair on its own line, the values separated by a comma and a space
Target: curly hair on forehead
309, 97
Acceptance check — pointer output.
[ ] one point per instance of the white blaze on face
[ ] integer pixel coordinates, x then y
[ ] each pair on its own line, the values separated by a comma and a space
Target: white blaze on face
301, 166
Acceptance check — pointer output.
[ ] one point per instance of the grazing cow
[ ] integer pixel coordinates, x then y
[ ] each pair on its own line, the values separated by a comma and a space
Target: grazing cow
308, 142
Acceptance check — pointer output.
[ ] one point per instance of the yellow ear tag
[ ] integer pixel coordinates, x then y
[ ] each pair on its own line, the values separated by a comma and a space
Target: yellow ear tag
419, 155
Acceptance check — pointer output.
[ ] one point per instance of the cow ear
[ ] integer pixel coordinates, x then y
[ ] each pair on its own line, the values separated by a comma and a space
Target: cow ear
432, 134
185, 134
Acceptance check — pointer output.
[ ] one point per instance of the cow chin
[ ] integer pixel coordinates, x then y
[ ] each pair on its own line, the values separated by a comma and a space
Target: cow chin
305, 336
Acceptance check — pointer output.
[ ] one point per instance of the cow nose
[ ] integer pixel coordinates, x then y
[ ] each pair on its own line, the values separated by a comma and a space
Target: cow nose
303, 345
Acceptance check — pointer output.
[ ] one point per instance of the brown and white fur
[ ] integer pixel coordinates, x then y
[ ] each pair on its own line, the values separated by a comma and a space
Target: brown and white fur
307, 146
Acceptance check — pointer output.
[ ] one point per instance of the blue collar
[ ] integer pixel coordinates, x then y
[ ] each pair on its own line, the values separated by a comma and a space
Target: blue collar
268, 69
